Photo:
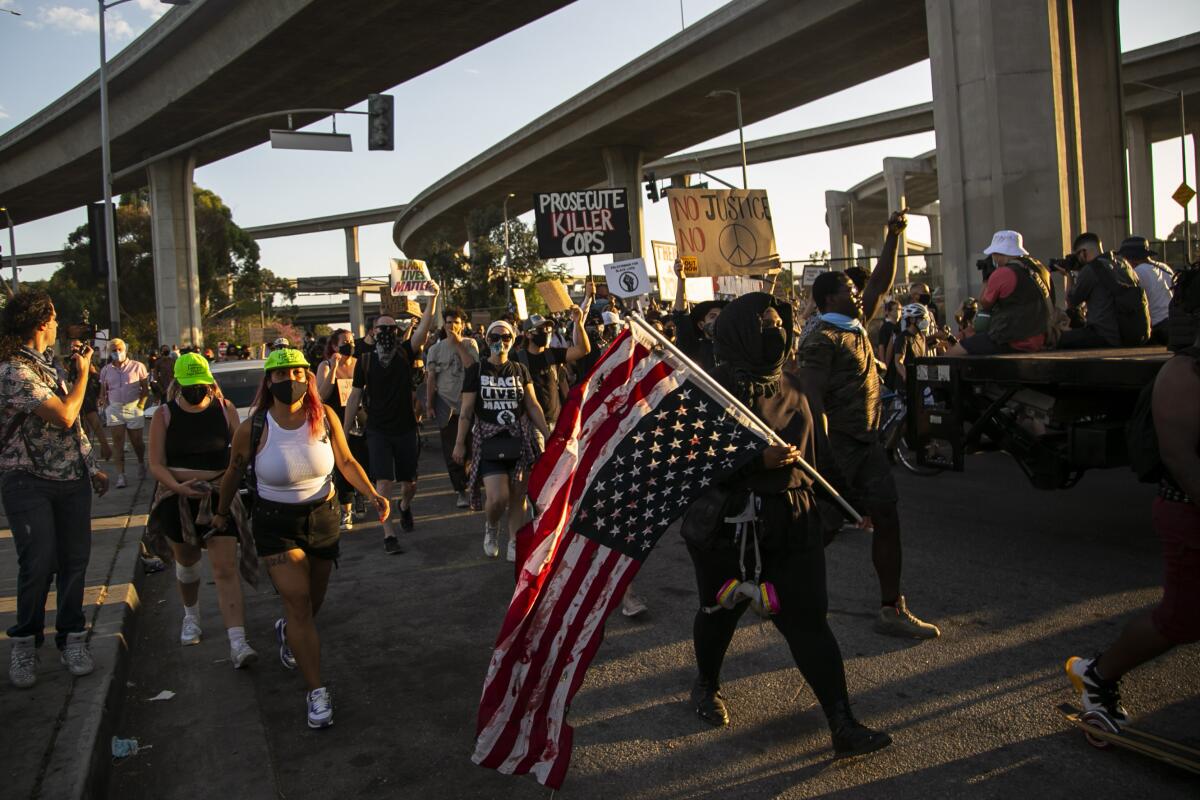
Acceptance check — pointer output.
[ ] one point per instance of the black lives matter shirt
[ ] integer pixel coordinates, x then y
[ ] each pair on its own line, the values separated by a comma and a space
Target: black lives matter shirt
499, 390
387, 391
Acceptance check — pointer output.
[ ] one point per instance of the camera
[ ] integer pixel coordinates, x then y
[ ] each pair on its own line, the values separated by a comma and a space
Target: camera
984, 264
1068, 263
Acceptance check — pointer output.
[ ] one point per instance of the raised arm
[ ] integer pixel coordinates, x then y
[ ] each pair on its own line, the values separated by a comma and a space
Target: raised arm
421, 334
884, 274
580, 345
63, 412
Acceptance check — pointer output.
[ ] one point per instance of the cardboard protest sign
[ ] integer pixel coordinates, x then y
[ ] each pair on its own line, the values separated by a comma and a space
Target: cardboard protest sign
389, 304
555, 295
727, 231
520, 303
627, 278
410, 277
581, 223
810, 275
699, 289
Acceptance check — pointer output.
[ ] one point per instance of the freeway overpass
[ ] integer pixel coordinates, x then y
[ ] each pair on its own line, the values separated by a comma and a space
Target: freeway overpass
1030, 126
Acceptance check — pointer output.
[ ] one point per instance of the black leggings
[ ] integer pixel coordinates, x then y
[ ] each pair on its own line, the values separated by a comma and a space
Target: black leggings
797, 570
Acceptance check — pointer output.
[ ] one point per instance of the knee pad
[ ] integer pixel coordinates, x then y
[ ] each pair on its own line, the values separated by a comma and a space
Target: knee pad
188, 574
763, 599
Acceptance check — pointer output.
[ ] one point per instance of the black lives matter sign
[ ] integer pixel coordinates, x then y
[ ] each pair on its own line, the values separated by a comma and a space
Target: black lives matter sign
583, 223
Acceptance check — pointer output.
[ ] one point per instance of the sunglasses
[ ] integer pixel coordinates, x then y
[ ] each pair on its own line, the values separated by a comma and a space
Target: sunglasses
499, 337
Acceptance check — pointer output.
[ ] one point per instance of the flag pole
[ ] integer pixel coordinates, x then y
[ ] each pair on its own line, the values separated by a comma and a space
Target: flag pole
717, 389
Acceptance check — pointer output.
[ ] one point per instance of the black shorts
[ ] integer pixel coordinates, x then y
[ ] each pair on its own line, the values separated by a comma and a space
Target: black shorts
393, 456
982, 345
311, 527
866, 468
167, 515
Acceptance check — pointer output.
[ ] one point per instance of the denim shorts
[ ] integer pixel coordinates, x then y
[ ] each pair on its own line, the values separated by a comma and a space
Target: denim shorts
310, 527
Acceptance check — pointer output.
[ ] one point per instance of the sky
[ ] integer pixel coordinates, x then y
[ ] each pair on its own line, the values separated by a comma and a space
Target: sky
449, 115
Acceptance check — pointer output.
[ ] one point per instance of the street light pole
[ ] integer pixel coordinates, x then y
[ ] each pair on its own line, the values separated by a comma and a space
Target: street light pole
12, 250
110, 238
507, 256
737, 96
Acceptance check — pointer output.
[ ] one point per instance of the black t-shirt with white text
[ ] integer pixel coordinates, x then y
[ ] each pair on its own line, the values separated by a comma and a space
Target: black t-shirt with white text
499, 390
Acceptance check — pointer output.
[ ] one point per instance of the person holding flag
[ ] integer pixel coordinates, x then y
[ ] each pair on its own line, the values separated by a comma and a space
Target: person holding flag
773, 558
638, 441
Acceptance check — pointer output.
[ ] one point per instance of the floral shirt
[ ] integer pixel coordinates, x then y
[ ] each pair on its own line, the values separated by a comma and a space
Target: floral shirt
31, 444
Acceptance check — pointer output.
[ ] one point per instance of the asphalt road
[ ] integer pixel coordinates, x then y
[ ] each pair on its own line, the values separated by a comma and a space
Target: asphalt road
1018, 580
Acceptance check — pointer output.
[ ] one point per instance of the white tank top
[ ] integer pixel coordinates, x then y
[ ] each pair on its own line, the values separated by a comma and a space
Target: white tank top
294, 467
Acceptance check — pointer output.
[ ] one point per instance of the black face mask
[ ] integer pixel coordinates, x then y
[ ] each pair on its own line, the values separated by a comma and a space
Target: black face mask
195, 393
288, 391
386, 339
540, 338
924, 299
773, 343
346, 349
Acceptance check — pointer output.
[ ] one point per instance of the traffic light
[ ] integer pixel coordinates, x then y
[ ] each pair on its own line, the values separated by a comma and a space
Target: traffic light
651, 188
381, 122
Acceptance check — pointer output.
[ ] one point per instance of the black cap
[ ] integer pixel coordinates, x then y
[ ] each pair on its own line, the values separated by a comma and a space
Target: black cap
1136, 247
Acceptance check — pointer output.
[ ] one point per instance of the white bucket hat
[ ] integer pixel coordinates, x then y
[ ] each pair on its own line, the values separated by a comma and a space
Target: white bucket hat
1006, 243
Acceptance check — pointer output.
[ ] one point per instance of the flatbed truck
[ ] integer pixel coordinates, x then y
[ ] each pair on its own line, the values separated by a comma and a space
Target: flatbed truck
1059, 413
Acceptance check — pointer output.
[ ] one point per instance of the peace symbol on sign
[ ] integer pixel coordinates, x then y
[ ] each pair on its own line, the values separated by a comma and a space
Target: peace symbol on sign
738, 245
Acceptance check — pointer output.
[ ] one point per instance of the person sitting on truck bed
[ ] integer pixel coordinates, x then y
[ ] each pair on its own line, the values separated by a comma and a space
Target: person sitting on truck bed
1016, 311
1088, 285
837, 368
1175, 408
1156, 279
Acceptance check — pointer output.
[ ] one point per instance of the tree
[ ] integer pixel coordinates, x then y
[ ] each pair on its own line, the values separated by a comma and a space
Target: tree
231, 279
479, 281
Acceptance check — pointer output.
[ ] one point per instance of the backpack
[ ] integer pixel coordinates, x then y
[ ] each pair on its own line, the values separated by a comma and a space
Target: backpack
1130, 304
1141, 440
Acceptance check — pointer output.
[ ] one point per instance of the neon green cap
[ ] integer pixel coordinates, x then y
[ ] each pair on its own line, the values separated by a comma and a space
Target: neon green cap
285, 358
192, 368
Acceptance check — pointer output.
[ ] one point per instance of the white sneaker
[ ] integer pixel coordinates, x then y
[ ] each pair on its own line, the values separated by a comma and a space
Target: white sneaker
189, 632
75, 655
242, 654
462, 501
511, 555
347, 520
320, 708
22, 664
121, 481
632, 605
491, 544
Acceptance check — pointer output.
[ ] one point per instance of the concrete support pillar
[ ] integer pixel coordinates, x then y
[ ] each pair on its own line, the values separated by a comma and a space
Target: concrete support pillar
1102, 126
839, 245
1007, 147
173, 233
681, 181
1141, 177
624, 168
893, 178
934, 263
353, 270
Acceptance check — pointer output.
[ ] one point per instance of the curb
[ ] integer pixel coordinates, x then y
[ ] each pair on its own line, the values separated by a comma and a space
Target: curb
78, 762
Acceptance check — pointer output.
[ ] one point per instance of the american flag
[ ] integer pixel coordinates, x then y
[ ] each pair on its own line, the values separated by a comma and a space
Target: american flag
642, 437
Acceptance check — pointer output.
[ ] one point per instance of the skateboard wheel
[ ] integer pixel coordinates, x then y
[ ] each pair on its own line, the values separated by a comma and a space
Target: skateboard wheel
1100, 722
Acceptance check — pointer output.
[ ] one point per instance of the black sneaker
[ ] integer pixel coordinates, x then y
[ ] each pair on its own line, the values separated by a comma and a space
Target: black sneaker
391, 546
709, 704
406, 519
850, 737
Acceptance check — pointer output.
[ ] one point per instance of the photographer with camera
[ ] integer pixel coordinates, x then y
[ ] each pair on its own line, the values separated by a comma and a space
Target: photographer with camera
1016, 311
1117, 312
47, 475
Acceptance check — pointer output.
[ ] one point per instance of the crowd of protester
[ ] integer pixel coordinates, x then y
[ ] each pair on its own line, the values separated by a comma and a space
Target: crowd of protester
337, 425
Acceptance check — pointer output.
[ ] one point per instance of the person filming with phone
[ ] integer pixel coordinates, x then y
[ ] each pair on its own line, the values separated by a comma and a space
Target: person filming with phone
47, 476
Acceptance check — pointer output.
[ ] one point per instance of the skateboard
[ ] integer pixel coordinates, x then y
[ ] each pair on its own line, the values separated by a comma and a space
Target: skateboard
1102, 733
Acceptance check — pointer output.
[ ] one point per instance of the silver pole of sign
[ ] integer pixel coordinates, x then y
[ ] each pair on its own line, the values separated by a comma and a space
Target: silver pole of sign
704, 379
